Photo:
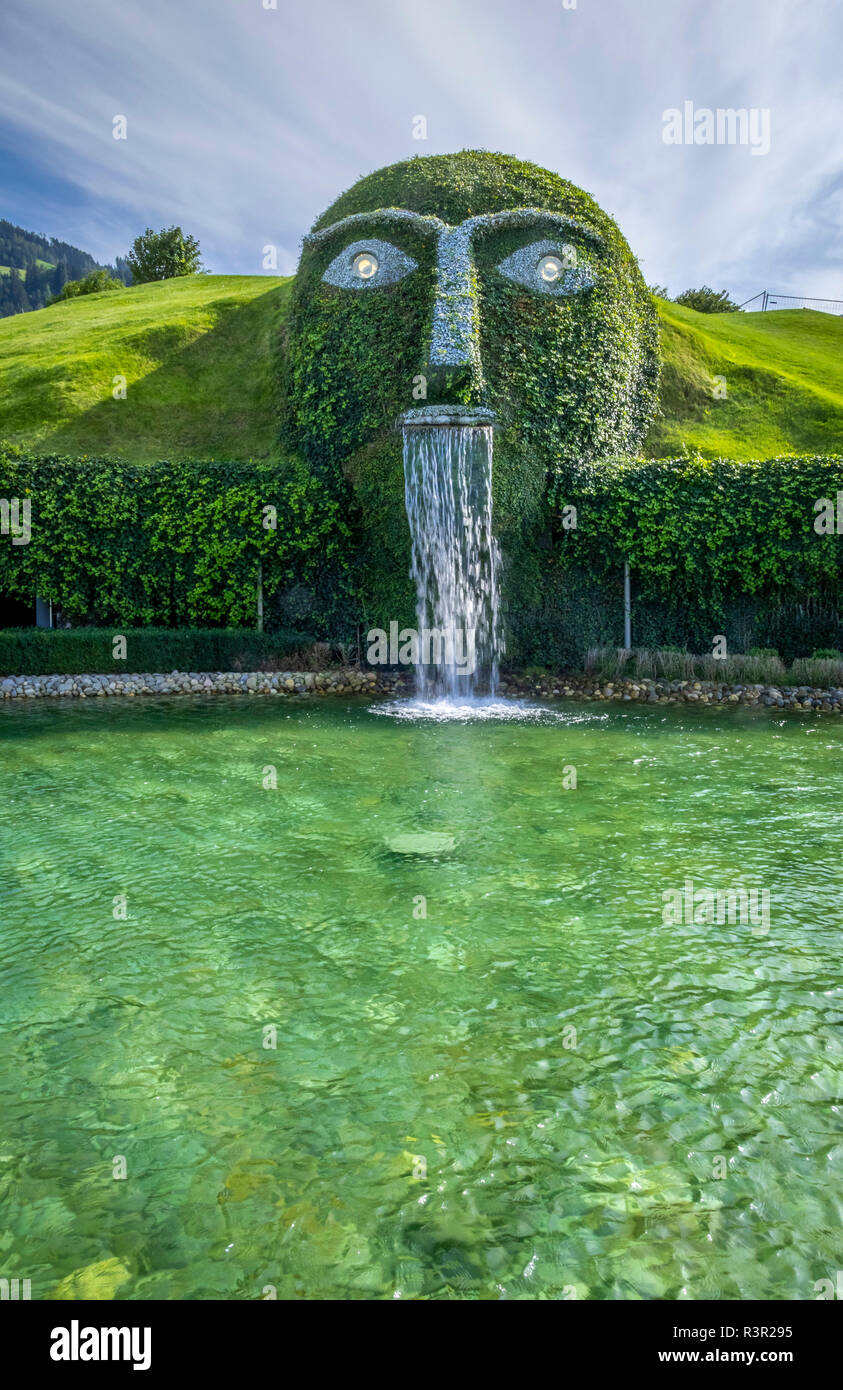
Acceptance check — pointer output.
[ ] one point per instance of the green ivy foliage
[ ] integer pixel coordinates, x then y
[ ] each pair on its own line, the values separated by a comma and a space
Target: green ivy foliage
180, 544
713, 547
700, 532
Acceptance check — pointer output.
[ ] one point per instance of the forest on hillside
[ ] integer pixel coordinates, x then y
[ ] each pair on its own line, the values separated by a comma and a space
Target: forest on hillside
34, 268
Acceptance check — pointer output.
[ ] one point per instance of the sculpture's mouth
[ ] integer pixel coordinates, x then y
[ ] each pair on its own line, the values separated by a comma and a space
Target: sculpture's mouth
438, 416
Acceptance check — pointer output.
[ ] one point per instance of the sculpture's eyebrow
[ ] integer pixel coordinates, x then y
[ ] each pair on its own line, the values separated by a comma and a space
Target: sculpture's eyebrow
430, 226
527, 217
433, 226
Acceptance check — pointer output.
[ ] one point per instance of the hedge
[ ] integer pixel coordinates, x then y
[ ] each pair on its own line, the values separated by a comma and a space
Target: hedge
179, 544
714, 547
703, 531
32, 651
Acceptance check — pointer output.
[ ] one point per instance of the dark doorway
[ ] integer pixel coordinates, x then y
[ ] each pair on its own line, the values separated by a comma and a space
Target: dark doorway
13, 613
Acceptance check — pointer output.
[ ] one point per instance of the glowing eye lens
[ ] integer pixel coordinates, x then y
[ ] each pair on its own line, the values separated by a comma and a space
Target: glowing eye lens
550, 268
365, 265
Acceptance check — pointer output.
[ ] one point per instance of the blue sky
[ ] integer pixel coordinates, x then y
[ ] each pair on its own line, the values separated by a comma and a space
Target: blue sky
244, 122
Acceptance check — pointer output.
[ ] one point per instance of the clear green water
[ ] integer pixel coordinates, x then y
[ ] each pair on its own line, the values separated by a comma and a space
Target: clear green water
548, 1167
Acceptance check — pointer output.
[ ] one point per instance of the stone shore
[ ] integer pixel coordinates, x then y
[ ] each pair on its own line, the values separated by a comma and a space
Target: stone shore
271, 683
352, 681
665, 692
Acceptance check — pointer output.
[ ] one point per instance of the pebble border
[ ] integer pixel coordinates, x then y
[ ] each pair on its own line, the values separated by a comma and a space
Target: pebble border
279, 683
665, 692
353, 681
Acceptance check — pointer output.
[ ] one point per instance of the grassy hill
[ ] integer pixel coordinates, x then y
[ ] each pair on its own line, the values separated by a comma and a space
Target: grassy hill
201, 360
783, 375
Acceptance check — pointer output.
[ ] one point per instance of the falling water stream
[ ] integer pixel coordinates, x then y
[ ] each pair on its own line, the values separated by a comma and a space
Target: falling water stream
455, 559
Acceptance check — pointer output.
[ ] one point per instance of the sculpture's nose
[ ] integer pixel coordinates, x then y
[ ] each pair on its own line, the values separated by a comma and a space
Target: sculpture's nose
454, 339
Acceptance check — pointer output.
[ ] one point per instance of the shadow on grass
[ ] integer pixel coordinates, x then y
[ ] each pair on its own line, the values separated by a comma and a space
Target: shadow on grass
215, 396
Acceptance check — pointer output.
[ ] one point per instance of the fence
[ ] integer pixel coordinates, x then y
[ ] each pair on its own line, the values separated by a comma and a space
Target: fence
769, 300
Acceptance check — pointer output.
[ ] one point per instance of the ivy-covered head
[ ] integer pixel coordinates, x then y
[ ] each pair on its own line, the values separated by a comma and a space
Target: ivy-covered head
470, 280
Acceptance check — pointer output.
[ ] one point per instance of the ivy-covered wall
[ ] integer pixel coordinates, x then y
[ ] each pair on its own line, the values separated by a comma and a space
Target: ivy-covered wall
180, 544
714, 547
742, 549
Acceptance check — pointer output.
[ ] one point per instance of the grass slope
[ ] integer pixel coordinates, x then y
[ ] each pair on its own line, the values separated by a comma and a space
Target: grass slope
201, 359
784, 382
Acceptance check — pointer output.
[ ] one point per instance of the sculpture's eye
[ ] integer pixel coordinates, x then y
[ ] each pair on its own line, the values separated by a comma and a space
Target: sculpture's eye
550, 267
368, 265
365, 265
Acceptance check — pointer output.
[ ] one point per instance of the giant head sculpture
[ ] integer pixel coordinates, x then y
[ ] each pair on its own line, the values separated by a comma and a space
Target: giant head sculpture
471, 281
466, 287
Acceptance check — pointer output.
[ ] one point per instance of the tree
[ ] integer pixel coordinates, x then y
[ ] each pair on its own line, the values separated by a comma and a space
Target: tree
163, 255
58, 276
122, 270
32, 281
707, 301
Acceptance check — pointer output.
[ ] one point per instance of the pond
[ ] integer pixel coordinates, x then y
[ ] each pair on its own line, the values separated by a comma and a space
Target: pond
415, 1021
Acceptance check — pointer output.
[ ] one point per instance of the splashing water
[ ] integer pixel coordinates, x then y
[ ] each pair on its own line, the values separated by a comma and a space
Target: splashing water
455, 559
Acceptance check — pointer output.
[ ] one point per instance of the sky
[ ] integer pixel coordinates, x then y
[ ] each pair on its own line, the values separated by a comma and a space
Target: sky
245, 118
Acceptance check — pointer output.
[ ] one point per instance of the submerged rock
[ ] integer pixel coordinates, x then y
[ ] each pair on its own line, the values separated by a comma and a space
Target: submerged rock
100, 1280
421, 842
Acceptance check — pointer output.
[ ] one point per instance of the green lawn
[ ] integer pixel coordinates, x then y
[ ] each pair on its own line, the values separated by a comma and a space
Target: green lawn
784, 382
201, 358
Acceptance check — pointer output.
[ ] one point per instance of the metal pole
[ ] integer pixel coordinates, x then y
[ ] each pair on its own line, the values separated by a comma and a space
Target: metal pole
764, 305
260, 598
627, 608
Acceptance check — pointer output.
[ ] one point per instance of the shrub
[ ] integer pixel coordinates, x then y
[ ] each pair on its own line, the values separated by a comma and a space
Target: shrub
707, 301
670, 663
821, 672
754, 668
95, 283
673, 664
89, 650
608, 663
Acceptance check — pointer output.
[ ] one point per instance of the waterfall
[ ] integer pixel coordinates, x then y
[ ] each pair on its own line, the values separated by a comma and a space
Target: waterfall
455, 558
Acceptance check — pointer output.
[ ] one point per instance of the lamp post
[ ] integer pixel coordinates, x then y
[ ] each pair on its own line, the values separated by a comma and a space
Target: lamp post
627, 608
